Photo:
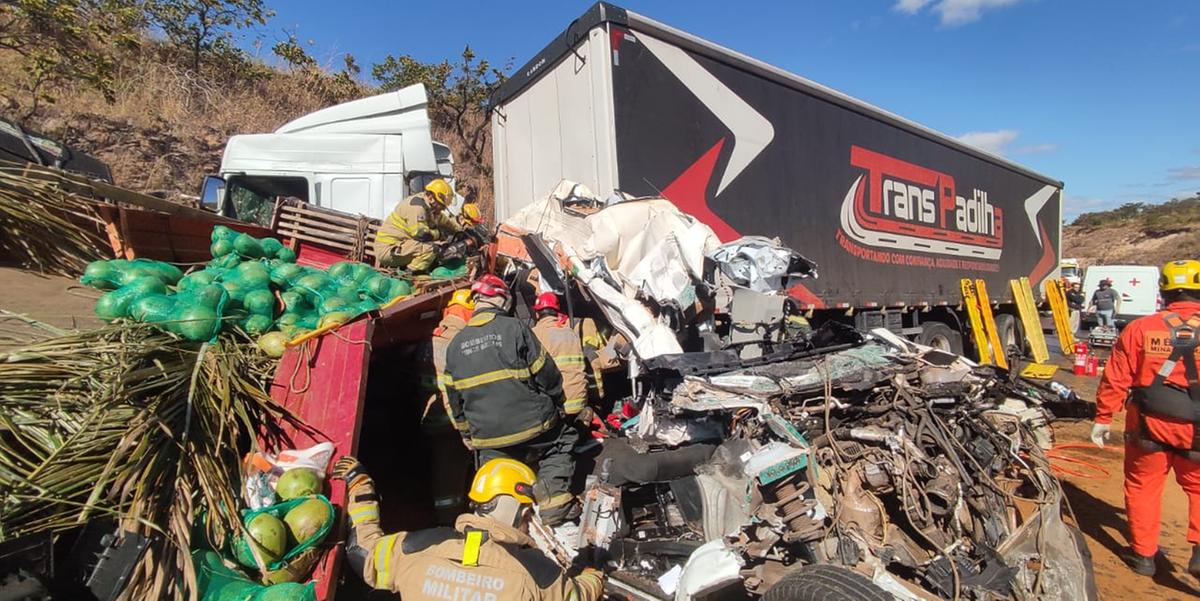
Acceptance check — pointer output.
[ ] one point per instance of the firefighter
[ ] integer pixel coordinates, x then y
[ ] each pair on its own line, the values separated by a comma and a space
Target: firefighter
553, 330
449, 461
1153, 365
485, 556
502, 384
406, 238
603, 353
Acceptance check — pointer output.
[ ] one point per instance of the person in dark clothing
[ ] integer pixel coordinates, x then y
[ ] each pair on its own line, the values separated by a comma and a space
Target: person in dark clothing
1104, 303
506, 388
1076, 298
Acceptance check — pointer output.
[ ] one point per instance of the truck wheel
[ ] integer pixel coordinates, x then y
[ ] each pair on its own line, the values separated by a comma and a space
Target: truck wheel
941, 337
825, 583
1010, 338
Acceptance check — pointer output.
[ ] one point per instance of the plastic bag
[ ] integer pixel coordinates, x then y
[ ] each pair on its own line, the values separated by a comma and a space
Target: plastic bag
315, 458
300, 558
216, 581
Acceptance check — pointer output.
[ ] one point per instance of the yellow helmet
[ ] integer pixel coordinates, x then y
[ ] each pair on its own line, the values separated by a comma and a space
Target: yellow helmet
503, 477
462, 298
1180, 275
441, 191
470, 211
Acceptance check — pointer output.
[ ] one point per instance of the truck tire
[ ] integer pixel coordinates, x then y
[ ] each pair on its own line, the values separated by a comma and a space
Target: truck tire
940, 336
1010, 336
825, 583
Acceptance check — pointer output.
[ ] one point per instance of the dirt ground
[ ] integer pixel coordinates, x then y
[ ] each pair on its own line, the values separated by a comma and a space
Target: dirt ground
1100, 507
55, 300
1098, 502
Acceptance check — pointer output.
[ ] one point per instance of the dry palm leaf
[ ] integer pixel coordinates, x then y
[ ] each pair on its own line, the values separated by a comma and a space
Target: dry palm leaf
130, 422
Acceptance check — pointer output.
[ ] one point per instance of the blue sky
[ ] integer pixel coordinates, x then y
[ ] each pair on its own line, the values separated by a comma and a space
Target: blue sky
1102, 94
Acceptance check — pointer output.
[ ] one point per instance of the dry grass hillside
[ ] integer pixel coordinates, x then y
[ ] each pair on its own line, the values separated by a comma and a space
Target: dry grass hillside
1136, 234
167, 126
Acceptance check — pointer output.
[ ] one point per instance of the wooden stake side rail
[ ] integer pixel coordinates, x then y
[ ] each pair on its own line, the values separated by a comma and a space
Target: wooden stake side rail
307, 223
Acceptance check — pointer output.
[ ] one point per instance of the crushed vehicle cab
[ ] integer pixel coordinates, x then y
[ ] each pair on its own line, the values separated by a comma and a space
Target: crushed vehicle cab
786, 462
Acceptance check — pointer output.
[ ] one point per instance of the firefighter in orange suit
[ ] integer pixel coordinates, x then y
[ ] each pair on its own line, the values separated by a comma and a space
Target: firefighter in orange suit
553, 330
1154, 367
486, 556
449, 461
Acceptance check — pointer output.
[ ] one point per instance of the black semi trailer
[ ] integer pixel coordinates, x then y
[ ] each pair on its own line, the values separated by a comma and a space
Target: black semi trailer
894, 213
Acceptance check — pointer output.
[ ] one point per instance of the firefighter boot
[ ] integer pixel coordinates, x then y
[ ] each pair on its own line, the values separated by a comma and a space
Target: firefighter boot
1142, 564
1194, 564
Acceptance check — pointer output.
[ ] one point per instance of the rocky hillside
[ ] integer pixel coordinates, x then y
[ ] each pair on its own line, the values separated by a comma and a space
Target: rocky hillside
1136, 234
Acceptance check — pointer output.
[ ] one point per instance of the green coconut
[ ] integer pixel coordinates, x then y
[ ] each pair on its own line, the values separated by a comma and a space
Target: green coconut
284, 591
270, 246
100, 274
212, 296
195, 280
293, 301
378, 287
247, 246
342, 270
306, 520
298, 482
228, 261
333, 304
313, 281
221, 232
260, 302
220, 248
196, 322
335, 318
152, 308
349, 293
110, 306
286, 254
258, 324
268, 535
399, 288
284, 273
273, 344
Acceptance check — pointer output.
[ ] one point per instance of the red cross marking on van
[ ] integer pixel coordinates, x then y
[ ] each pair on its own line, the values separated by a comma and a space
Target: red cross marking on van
1133, 282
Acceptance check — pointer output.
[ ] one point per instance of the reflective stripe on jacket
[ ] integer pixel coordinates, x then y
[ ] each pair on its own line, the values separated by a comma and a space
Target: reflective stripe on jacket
477, 559
562, 343
501, 382
1136, 358
453, 321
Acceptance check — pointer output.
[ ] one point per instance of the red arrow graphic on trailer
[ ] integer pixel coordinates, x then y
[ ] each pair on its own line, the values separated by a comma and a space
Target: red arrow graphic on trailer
689, 189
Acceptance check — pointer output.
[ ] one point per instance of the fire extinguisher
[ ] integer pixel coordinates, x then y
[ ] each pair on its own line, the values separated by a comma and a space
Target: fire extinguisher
1093, 365
1081, 354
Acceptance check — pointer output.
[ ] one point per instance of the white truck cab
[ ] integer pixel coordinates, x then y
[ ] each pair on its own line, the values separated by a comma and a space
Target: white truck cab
360, 158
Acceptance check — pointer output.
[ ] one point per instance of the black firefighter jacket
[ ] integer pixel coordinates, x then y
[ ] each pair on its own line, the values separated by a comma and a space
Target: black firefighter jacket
500, 382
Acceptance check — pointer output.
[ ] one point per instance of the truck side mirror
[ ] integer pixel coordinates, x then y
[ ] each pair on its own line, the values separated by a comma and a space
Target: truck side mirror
212, 193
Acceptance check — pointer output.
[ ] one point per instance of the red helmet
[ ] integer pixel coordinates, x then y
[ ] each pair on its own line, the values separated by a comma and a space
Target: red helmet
546, 300
490, 285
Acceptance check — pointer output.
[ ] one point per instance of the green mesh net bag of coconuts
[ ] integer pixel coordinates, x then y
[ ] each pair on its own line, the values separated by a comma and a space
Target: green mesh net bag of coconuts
251, 284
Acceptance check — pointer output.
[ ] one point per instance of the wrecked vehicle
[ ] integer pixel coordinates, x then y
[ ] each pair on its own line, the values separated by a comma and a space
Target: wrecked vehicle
789, 463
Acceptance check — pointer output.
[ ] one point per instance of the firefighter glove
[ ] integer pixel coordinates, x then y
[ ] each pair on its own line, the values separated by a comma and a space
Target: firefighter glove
351, 471
1100, 434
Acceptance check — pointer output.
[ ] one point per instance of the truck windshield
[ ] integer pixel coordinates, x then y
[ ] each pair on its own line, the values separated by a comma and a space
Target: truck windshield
1070, 272
253, 198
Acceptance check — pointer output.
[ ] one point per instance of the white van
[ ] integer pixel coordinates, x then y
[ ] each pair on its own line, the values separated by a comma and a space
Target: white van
360, 157
1137, 284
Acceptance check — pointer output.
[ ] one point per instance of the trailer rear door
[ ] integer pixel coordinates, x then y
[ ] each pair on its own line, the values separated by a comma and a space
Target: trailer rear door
560, 127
